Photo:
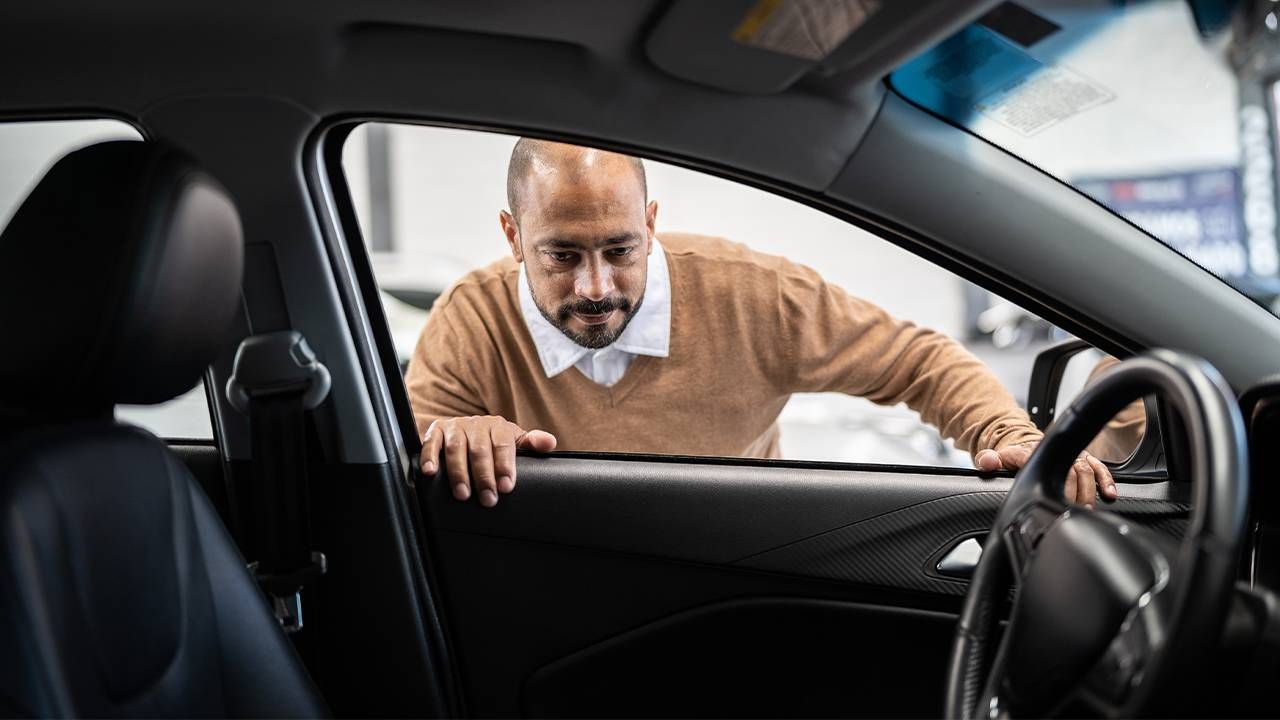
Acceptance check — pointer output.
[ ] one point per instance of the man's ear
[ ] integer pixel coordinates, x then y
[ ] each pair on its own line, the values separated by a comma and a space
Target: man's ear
512, 231
651, 221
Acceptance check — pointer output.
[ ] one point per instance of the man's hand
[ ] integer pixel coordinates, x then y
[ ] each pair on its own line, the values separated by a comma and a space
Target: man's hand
1088, 474
480, 451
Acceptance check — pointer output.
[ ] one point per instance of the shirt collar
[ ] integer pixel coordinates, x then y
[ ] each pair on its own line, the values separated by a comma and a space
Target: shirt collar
648, 333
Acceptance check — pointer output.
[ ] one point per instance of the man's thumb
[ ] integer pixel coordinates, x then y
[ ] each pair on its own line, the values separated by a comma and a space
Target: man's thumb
537, 441
988, 461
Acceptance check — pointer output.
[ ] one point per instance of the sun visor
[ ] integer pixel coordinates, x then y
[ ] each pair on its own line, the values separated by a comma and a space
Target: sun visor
761, 47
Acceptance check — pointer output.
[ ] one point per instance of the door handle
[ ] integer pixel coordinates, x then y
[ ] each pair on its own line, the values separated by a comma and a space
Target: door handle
962, 560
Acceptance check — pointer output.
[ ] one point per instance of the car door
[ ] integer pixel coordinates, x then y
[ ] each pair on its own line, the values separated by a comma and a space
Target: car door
661, 586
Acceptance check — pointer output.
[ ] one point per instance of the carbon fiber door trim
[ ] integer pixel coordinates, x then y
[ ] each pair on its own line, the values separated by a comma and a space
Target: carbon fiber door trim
900, 548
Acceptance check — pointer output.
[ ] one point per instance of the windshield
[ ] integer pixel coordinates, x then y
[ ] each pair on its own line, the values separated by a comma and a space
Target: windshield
1164, 111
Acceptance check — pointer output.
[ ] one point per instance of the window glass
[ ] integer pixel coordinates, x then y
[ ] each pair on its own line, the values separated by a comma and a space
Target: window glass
28, 150
428, 201
185, 417
1164, 111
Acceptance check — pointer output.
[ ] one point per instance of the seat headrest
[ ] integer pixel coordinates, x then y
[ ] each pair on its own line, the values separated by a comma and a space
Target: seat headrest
119, 277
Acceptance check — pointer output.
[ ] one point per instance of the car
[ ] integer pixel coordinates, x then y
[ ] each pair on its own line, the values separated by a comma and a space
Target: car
622, 584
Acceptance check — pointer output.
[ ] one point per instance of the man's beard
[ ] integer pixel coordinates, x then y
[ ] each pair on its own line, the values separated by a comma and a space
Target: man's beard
595, 336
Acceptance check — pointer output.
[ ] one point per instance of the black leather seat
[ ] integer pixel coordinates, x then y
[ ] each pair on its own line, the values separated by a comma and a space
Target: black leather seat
121, 593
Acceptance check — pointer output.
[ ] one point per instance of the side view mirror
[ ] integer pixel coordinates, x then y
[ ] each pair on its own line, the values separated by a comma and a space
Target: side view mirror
1131, 443
1046, 379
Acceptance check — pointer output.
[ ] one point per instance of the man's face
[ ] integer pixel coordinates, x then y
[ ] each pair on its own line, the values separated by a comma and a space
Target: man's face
584, 234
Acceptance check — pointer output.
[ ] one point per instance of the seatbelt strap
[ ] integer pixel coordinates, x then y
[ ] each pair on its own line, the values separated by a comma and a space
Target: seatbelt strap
276, 379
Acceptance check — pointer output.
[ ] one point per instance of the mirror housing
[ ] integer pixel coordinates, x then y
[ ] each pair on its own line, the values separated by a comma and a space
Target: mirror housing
1046, 377
1042, 398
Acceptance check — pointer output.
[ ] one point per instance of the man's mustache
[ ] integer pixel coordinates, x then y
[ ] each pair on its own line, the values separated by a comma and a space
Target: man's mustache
593, 307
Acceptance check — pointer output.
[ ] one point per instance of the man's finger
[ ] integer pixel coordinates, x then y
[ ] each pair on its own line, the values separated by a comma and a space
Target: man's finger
1073, 482
504, 455
431, 448
1086, 484
1103, 475
455, 460
480, 456
537, 441
988, 461
1014, 457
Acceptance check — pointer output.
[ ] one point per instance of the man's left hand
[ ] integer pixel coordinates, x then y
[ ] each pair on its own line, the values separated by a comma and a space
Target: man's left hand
1087, 478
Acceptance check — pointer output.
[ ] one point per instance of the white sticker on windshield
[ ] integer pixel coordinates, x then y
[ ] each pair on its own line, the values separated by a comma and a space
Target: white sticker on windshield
1042, 99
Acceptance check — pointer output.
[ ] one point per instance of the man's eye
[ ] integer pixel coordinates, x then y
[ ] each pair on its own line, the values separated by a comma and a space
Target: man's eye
561, 257
621, 252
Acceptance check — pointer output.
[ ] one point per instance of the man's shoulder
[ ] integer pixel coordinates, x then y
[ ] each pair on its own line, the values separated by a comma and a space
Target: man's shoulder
490, 287
696, 246
713, 257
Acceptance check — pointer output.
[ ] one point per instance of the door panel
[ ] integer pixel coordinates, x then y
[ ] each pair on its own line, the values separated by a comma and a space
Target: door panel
678, 586
723, 660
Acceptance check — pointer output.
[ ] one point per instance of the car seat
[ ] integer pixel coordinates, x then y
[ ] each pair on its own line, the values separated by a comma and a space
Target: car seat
121, 593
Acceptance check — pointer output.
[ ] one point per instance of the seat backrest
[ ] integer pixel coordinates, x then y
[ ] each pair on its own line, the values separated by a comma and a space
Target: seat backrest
121, 593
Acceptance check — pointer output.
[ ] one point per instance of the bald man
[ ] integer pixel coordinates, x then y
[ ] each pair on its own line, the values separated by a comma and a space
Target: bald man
599, 334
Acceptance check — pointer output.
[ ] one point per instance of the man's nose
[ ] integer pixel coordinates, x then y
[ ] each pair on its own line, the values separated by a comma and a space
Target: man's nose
594, 281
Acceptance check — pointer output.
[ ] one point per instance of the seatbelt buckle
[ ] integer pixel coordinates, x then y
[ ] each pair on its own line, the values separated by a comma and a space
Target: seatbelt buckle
277, 363
284, 590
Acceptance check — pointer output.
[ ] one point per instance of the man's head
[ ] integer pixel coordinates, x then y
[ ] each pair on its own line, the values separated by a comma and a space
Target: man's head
581, 222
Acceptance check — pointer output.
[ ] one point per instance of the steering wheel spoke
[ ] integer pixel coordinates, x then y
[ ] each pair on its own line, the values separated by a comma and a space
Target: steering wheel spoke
1117, 685
1023, 532
1117, 680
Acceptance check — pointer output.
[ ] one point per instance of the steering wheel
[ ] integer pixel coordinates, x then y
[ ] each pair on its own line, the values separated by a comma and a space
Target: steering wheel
1106, 613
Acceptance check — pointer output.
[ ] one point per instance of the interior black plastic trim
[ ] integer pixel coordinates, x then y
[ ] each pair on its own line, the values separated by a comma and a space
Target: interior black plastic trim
586, 549
886, 468
518, 605
323, 167
715, 513
366, 284
738, 657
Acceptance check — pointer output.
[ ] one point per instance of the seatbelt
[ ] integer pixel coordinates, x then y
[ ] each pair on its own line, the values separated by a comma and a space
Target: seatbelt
275, 380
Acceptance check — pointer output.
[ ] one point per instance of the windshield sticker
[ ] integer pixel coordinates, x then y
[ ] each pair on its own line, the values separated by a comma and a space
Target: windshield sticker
1043, 99
805, 29
978, 71
952, 76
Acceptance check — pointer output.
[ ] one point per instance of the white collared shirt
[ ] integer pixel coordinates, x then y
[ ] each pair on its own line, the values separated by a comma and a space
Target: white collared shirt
648, 333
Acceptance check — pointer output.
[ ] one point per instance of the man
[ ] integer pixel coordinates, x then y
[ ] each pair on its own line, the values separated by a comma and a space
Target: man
597, 330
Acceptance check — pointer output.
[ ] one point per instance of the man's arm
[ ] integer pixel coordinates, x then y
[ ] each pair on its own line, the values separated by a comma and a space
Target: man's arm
439, 382
479, 448
845, 344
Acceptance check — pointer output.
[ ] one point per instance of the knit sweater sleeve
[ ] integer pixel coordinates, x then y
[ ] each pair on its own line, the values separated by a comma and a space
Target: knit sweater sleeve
840, 343
440, 382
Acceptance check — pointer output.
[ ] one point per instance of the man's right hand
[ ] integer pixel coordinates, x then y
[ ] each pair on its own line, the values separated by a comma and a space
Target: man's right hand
480, 452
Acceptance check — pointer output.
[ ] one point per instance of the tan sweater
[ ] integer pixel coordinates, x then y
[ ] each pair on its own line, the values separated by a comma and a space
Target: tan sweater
747, 331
